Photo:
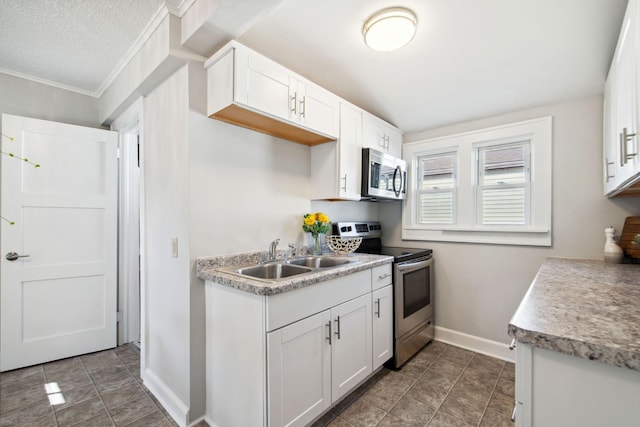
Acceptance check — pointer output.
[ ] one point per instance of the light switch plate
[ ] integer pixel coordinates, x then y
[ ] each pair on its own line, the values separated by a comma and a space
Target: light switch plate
174, 247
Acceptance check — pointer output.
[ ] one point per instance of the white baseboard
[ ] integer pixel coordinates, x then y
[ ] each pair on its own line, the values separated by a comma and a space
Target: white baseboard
167, 398
479, 345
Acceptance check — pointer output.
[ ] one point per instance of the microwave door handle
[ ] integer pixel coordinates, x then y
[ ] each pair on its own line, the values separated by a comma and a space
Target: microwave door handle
404, 182
395, 173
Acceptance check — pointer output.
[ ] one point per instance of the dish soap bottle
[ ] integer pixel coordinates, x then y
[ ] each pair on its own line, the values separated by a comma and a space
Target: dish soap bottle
612, 252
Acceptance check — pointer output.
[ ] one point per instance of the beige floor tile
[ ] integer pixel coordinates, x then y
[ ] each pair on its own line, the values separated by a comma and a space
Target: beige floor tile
32, 413
442, 419
390, 420
467, 402
415, 367
428, 393
101, 358
413, 411
78, 394
362, 414
119, 397
156, 419
102, 420
133, 411
81, 412
498, 413
506, 386
340, 422
386, 392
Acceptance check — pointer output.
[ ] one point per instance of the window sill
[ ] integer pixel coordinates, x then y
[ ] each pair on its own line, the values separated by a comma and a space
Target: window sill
530, 236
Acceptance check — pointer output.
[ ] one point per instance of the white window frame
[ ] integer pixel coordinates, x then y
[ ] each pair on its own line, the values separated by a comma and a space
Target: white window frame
480, 166
537, 232
453, 190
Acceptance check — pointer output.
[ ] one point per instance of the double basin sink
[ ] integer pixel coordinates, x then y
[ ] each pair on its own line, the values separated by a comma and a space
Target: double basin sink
283, 269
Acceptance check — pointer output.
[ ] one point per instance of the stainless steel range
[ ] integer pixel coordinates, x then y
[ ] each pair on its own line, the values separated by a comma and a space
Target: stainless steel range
412, 287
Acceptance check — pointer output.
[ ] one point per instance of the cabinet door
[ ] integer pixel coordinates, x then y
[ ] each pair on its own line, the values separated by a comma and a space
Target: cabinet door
373, 135
349, 156
351, 345
382, 300
394, 141
318, 109
610, 138
299, 370
624, 87
381, 136
263, 84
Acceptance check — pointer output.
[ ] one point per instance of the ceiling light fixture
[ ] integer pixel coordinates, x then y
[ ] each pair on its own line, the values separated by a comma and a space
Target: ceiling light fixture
389, 29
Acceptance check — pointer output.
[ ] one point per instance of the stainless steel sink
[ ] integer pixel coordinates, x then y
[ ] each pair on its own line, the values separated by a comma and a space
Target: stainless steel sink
319, 262
272, 271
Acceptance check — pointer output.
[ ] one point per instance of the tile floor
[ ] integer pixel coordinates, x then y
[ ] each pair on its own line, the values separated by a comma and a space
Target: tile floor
99, 389
441, 386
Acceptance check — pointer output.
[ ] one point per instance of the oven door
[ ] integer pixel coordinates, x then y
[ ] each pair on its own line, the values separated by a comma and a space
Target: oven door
413, 294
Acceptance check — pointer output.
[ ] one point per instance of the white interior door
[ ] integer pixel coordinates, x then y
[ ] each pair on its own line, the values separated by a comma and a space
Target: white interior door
60, 300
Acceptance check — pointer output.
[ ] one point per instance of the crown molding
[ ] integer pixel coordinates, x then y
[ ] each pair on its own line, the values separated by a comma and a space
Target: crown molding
47, 82
181, 8
157, 19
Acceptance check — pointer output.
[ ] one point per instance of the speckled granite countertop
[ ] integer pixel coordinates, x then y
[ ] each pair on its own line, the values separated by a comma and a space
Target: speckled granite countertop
584, 308
211, 268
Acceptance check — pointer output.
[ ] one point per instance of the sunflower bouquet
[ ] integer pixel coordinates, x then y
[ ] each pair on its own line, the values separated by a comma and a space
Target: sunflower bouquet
316, 224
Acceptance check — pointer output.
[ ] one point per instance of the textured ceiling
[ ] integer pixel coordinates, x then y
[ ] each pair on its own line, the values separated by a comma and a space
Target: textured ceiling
470, 58
74, 43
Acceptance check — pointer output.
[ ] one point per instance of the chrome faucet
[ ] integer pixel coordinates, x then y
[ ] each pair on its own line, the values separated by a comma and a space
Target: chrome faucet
292, 251
273, 250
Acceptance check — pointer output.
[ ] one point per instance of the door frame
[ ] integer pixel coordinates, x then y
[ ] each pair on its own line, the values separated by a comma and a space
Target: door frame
131, 326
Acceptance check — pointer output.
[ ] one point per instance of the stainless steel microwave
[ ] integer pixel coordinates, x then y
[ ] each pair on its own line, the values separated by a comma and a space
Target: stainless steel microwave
384, 177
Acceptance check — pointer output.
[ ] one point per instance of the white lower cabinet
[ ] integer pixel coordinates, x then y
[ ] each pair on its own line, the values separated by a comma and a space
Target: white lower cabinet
299, 371
382, 300
557, 390
315, 361
283, 360
350, 345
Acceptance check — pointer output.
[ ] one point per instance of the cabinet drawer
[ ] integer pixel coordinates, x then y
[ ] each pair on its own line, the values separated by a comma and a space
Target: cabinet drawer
286, 308
381, 276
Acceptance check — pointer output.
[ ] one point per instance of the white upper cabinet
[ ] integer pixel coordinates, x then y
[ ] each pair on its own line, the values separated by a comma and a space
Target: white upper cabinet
250, 90
381, 136
335, 166
620, 130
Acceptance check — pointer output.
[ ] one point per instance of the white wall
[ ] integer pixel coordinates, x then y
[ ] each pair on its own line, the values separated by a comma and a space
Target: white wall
27, 98
166, 216
478, 287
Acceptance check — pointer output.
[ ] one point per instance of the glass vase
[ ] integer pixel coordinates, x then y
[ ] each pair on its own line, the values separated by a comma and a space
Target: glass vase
317, 248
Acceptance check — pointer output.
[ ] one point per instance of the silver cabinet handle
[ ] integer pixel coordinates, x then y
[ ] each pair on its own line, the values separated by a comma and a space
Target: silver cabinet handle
294, 98
378, 308
329, 337
622, 151
624, 139
303, 107
513, 414
345, 182
383, 276
338, 327
513, 344
608, 163
627, 137
12, 256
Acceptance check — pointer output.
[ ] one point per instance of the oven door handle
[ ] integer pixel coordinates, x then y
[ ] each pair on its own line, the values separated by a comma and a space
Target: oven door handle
404, 267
